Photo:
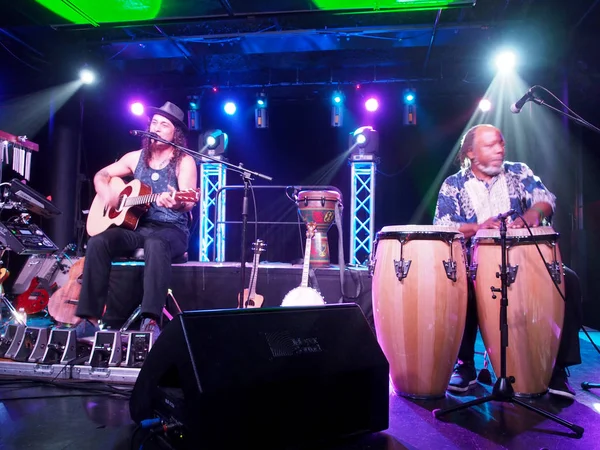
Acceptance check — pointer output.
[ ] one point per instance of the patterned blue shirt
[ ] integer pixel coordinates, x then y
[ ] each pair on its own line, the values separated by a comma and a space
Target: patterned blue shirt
463, 198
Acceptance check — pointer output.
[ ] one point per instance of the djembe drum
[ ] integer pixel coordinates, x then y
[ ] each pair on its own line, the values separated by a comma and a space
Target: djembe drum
535, 310
319, 207
419, 305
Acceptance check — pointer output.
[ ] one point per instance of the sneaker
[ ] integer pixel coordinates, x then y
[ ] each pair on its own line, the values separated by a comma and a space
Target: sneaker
559, 384
85, 329
463, 377
150, 326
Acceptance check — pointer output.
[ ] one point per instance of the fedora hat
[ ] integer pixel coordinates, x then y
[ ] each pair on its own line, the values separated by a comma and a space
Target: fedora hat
171, 112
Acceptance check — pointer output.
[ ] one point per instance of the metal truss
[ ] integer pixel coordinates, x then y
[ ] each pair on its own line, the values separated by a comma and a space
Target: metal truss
362, 213
212, 177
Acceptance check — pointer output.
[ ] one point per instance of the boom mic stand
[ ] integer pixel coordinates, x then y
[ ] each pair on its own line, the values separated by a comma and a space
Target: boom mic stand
581, 121
503, 390
246, 177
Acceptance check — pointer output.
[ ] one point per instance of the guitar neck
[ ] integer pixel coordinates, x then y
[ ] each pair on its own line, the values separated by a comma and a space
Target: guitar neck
141, 200
253, 276
306, 265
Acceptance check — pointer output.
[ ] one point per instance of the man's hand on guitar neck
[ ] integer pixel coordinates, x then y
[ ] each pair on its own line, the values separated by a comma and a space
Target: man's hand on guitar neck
168, 200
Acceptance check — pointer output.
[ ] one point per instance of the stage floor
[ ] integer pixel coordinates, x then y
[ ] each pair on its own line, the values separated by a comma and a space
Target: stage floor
34, 414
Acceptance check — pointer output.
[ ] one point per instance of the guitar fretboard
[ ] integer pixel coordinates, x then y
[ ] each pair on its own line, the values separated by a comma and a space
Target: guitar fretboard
141, 200
253, 277
306, 265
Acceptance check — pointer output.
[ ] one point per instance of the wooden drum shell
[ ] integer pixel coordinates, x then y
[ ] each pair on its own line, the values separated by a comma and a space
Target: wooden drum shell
419, 320
535, 310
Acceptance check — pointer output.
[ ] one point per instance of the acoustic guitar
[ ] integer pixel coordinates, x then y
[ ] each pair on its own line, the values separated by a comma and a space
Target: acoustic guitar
63, 302
135, 198
251, 298
36, 297
304, 295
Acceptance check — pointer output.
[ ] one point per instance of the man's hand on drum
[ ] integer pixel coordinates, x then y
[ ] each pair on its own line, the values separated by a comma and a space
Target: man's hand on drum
532, 218
492, 222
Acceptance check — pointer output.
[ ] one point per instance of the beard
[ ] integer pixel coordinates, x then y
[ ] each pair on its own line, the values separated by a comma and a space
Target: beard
490, 170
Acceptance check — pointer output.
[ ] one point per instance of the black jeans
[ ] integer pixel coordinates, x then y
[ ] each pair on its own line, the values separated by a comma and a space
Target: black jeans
568, 351
161, 243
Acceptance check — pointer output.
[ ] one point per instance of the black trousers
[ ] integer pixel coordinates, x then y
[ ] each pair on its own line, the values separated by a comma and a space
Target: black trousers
568, 351
161, 243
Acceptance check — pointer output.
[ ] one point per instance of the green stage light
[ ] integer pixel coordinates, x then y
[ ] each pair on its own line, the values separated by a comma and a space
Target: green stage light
391, 5
95, 12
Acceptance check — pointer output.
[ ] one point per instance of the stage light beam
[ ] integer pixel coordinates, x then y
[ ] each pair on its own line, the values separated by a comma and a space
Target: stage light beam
137, 108
87, 76
230, 108
506, 61
485, 105
372, 104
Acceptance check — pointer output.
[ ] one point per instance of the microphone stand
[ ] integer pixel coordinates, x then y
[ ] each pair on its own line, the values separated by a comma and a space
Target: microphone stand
577, 119
247, 178
503, 390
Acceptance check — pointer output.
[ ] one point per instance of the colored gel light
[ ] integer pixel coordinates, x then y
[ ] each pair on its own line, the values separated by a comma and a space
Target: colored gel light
104, 11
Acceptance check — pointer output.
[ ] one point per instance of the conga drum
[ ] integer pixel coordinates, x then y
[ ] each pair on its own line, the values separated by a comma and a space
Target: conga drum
419, 305
319, 207
535, 310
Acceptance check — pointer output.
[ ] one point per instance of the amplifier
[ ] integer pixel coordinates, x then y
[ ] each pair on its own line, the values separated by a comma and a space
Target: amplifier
25, 239
44, 266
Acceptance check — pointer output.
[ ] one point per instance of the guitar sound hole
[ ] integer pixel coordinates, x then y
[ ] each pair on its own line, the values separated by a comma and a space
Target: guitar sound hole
250, 303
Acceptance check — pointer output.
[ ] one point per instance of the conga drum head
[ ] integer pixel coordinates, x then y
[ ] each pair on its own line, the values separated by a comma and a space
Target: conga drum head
419, 232
535, 311
519, 234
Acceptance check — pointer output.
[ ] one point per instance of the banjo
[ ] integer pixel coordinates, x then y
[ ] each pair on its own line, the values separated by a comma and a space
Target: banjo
304, 295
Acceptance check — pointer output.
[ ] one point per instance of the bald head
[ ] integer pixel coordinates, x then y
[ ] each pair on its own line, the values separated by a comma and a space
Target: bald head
470, 140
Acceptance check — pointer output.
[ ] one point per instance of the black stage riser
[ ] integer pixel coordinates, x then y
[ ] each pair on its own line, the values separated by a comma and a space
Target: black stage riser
200, 286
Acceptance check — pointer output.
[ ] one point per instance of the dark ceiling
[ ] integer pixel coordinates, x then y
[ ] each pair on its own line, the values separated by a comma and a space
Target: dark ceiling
280, 43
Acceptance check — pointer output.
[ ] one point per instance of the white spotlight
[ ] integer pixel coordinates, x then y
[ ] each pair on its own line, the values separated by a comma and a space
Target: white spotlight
506, 61
485, 105
87, 76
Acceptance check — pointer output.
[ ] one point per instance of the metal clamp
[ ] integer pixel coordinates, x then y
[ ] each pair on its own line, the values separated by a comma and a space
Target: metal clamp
554, 269
402, 267
450, 264
511, 273
372, 262
472, 271
450, 268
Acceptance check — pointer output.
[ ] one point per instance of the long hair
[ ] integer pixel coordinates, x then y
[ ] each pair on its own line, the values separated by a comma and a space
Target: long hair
466, 144
178, 138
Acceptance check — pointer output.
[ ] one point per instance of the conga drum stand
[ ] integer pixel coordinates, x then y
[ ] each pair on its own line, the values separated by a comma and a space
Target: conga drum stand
503, 390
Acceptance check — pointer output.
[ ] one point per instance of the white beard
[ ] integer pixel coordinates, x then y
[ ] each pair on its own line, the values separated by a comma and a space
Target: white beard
490, 170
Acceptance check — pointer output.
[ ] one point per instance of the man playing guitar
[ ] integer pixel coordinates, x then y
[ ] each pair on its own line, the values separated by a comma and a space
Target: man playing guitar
162, 231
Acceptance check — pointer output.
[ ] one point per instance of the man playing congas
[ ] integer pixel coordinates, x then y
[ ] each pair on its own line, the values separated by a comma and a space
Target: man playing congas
471, 200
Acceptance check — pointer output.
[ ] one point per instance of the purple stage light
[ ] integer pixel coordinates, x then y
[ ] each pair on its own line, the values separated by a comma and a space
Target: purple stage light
137, 108
372, 104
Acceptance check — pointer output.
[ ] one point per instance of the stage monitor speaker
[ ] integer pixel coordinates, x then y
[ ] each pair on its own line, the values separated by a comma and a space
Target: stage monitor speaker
270, 377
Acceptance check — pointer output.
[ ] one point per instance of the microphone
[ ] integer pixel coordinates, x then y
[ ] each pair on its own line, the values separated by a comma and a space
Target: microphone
506, 215
518, 105
142, 133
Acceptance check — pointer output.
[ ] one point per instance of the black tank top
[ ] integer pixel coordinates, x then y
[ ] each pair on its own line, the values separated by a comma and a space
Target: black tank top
158, 180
